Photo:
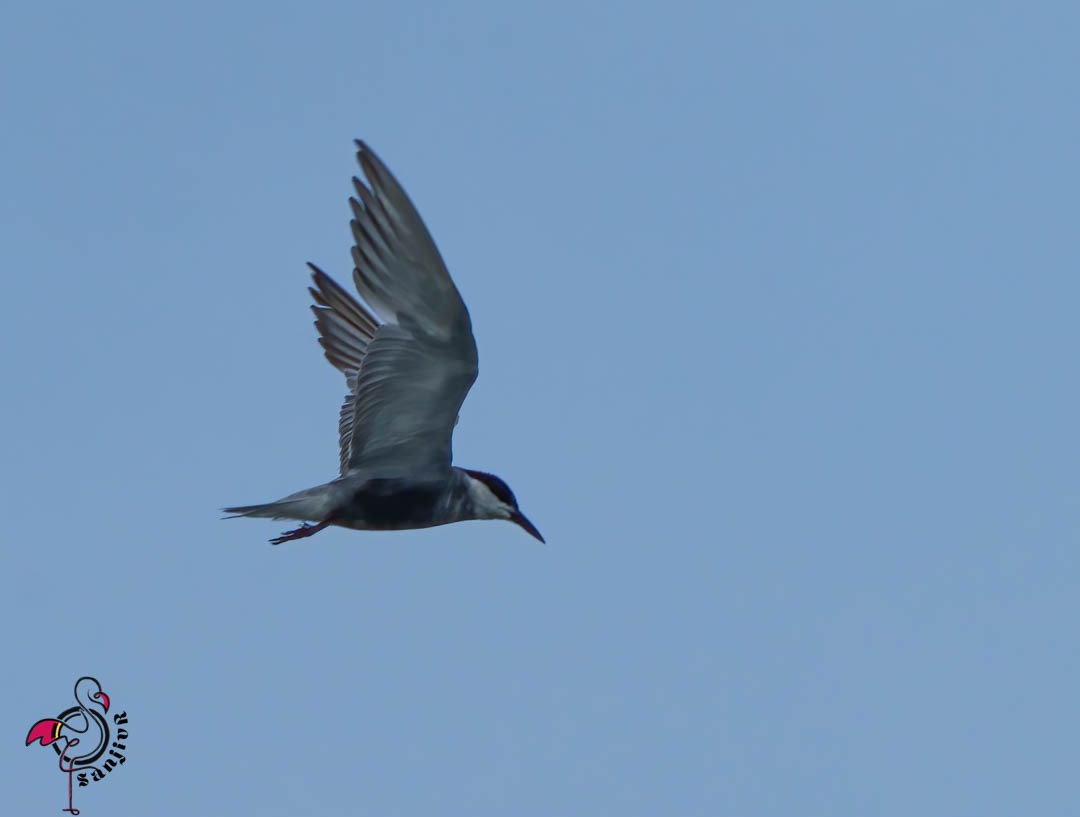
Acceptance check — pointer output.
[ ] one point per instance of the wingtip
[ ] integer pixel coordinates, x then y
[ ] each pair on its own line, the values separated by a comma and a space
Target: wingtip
316, 273
363, 153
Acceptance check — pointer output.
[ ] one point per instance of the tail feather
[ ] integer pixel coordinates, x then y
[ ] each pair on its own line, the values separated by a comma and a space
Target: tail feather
311, 505
270, 510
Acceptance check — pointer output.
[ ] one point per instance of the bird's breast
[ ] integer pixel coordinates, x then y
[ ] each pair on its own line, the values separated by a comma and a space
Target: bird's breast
394, 504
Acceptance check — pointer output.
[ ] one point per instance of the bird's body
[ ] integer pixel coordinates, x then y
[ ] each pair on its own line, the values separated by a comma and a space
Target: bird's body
82, 723
409, 358
377, 503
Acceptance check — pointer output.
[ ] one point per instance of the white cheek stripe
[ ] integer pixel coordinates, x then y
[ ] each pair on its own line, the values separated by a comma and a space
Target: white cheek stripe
485, 503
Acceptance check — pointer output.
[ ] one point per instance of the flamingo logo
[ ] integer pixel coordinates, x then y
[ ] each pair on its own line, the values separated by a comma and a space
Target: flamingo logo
82, 738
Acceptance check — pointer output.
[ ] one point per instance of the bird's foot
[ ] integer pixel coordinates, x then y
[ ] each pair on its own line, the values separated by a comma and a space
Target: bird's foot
291, 535
301, 532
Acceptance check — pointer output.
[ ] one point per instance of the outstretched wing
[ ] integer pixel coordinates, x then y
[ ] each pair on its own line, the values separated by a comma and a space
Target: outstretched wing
409, 365
346, 329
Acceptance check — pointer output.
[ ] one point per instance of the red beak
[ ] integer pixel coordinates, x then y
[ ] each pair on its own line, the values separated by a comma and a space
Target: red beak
101, 696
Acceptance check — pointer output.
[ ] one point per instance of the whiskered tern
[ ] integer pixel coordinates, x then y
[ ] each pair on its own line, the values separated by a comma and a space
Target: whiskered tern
409, 358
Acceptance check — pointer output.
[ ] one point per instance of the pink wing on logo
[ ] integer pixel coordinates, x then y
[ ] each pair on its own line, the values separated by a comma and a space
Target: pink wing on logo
46, 730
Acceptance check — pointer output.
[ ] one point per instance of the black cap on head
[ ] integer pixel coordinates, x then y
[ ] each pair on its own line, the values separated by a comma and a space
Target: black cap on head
497, 486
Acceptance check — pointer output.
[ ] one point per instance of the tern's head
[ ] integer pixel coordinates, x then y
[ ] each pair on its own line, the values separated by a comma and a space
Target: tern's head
493, 499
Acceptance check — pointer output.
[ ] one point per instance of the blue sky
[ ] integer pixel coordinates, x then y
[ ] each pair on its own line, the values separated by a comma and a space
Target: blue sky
776, 309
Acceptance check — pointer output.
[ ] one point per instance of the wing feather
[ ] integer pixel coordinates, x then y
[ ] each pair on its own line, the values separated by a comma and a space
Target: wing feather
408, 360
346, 329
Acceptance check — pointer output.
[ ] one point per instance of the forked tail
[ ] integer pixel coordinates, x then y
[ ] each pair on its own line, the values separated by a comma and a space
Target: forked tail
312, 505
271, 510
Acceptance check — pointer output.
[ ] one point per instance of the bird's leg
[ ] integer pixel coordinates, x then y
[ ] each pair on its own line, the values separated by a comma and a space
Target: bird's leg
70, 770
70, 809
302, 532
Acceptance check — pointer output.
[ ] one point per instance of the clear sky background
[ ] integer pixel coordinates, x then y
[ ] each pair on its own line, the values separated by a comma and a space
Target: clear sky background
777, 314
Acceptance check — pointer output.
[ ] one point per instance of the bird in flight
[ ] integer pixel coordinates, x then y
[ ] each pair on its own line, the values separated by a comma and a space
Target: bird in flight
409, 358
